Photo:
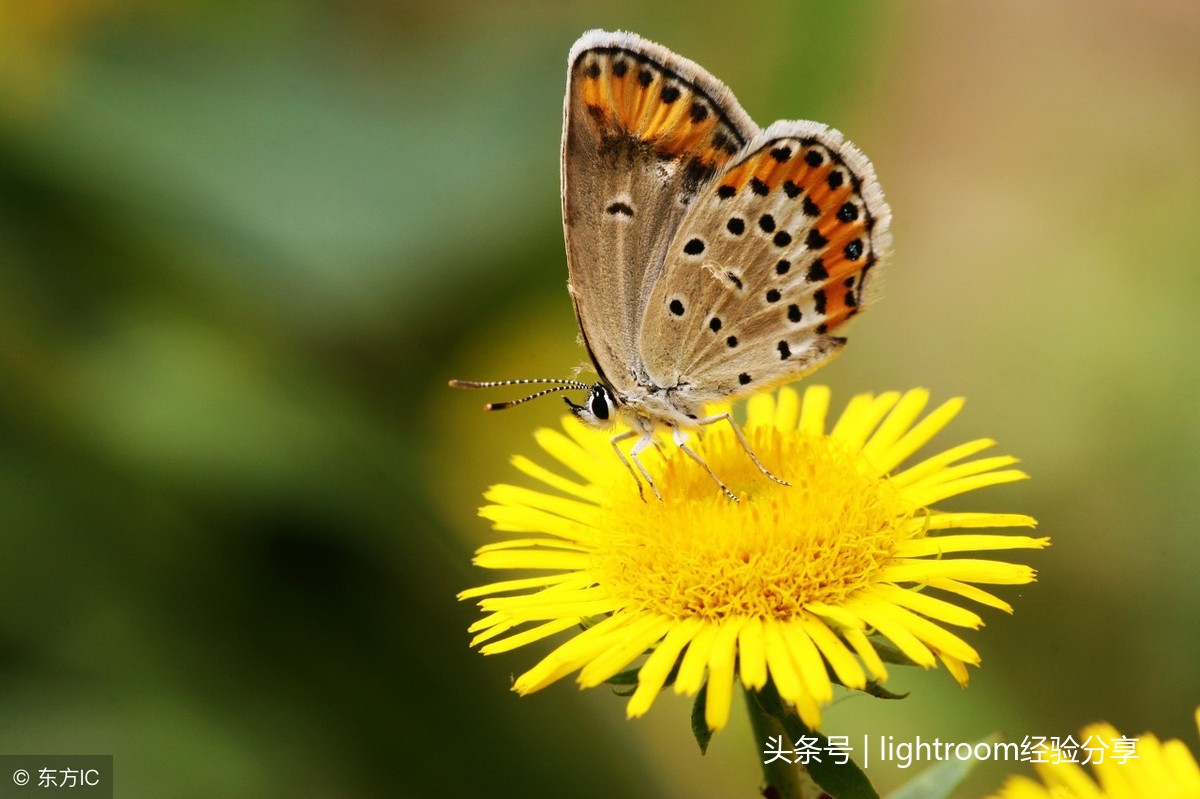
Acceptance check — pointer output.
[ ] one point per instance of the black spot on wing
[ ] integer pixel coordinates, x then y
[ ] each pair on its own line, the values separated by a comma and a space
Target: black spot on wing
816, 271
819, 300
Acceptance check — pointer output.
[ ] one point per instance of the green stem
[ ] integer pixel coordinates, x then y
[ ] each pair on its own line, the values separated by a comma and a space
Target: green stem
783, 779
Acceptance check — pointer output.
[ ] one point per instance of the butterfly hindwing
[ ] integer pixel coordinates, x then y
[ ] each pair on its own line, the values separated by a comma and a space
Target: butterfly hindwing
645, 131
775, 254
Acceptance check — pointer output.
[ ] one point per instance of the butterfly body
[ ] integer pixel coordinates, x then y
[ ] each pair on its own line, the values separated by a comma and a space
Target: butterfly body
708, 259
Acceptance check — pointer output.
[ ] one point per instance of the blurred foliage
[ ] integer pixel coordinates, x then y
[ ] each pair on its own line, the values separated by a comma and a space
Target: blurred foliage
242, 247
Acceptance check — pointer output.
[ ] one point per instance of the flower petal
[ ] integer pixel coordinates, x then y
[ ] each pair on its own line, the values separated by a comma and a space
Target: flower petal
847, 669
638, 637
585, 491
970, 592
935, 494
870, 658
657, 667
895, 425
929, 606
752, 657
787, 409
942, 521
853, 429
945, 544
918, 436
935, 463
808, 660
527, 636
875, 613
813, 410
721, 659
695, 660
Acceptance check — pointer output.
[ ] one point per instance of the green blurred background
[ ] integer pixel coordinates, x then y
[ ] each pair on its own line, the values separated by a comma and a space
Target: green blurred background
243, 246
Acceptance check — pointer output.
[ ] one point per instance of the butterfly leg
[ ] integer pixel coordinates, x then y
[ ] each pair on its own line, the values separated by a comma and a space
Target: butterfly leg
741, 437
681, 441
646, 439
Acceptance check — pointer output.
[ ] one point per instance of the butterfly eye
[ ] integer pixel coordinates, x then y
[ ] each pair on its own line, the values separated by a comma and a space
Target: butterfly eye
601, 404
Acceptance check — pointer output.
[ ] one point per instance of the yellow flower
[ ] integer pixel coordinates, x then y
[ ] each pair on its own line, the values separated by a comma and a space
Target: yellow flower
783, 585
1163, 770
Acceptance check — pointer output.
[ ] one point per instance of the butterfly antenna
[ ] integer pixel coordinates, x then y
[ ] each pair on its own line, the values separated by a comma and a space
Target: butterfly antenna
559, 385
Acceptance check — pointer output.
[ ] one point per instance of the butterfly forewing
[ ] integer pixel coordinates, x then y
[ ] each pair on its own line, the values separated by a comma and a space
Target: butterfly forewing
645, 132
772, 256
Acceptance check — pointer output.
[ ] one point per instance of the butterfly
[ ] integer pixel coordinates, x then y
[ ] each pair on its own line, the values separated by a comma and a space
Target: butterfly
707, 259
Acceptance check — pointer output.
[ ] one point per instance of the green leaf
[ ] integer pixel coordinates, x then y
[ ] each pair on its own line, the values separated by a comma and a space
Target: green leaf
889, 653
839, 780
627, 677
939, 780
877, 690
699, 724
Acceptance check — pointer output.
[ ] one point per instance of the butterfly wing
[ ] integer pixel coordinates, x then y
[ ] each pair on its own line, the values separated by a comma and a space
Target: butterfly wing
771, 258
644, 132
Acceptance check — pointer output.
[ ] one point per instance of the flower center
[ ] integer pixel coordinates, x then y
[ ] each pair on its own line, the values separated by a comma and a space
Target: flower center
698, 554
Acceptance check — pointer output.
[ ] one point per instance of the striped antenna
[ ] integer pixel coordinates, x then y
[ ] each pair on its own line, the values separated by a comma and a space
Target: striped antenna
559, 385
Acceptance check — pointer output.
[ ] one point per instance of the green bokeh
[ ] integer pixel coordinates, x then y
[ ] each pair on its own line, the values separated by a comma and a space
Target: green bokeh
242, 247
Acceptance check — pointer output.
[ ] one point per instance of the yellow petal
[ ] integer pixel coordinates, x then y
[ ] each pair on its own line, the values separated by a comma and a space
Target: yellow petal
808, 660
527, 636
585, 491
934, 494
941, 521
870, 658
918, 436
895, 425
752, 657
835, 652
695, 659
638, 637
945, 544
876, 614
721, 659
854, 432
813, 410
657, 667
938, 462
787, 409
929, 606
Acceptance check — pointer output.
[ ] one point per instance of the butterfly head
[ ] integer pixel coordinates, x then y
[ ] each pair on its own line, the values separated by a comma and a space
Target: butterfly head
599, 409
